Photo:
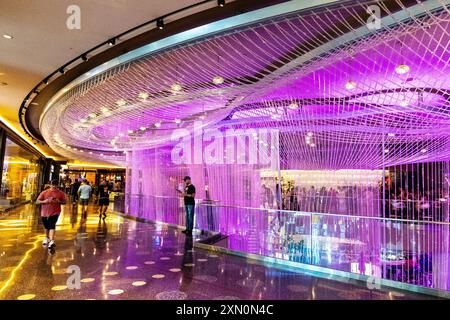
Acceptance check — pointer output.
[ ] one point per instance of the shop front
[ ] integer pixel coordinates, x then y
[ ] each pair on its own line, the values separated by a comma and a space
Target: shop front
21, 177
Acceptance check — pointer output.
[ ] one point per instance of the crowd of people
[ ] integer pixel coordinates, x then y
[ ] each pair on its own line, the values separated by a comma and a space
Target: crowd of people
357, 200
340, 200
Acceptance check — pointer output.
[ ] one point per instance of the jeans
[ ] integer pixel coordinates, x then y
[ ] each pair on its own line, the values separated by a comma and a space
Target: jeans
189, 216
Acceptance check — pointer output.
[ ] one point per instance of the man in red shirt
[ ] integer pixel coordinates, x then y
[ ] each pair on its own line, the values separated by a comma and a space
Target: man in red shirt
51, 201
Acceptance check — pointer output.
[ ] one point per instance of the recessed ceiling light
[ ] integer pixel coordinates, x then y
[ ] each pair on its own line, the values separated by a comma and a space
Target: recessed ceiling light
143, 128
121, 102
350, 85
276, 116
391, 134
7, 36
104, 109
310, 134
158, 124
293, 106
218, 80
312, 145
402, 69
177, 121
423, 150
143, 95
130, 131
202, 117
386, 150
404, 103
176, 87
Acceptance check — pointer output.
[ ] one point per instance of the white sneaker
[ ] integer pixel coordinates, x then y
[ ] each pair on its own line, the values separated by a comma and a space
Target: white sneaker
45, 242
51, 244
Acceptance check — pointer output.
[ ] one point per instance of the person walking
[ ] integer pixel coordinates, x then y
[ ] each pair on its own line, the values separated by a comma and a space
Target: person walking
74, 191
103, 199
84, 194
51, 201
189, 204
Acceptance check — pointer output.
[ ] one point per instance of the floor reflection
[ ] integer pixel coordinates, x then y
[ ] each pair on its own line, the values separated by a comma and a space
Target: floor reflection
125, 259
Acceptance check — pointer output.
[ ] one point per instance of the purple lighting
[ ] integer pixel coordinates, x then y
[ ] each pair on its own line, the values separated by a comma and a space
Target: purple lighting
300, 148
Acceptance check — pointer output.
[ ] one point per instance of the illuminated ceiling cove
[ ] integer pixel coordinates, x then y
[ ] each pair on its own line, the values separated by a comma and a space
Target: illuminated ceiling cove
363, 97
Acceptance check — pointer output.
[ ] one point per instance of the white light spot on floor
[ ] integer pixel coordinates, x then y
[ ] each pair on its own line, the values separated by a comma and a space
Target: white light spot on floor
189, 264
158, 276
202, 260
110, 273
175, 270
59, 288
149, 262
164, 258
86, 280
28, 296
131, 267
139, 283
115, 292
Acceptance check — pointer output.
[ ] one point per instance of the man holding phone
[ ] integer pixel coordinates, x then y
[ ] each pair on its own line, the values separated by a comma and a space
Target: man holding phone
189, 204
51, 201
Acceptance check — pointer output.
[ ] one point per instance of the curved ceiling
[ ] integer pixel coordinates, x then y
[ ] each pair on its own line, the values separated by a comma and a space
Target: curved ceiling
322, 78
42, 42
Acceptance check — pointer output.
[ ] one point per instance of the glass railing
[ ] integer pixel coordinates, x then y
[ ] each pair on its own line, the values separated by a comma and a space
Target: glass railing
403, 250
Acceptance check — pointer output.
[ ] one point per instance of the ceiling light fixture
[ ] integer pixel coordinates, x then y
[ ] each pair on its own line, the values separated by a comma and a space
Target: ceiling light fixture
143, 128
350, 85
293, 106
158, 124
112, 42
404, 103
62, 71
402, 69
160, 23
121, 102
176, 87
221, 3
218, 80
84, 58
7, 36
177, 121
143, 95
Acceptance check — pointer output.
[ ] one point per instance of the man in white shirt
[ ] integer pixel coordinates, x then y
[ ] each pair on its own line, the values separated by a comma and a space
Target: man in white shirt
84, 193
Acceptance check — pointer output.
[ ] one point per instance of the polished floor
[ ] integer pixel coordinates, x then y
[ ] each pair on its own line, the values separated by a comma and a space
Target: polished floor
125, 259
